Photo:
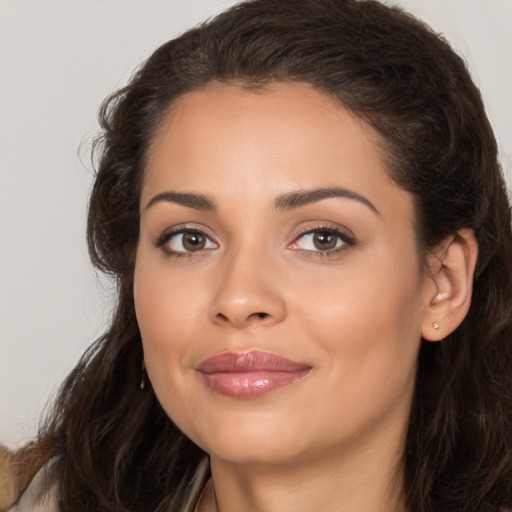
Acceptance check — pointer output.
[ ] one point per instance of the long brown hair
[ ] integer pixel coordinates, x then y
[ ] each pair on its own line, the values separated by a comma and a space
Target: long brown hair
113, 447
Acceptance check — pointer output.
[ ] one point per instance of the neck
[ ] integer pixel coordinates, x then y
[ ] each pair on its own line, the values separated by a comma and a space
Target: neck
352, 480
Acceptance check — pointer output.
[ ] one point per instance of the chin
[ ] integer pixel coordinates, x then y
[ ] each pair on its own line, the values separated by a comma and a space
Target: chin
247, 435
271, 449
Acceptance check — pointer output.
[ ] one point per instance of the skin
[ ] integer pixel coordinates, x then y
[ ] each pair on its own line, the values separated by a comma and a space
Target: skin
354, 314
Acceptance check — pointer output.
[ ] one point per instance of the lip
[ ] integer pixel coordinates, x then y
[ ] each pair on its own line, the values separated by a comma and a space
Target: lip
250, 374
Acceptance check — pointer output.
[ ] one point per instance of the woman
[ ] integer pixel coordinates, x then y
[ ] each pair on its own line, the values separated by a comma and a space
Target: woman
303, 209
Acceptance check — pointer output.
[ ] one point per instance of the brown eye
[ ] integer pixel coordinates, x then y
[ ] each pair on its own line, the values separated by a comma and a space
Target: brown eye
324, 240
186, 241
193, 241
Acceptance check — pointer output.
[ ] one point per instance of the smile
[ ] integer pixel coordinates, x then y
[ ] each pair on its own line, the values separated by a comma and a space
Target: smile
250, 374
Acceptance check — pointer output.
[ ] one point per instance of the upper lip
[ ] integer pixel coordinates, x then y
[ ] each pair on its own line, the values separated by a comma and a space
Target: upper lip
255, 360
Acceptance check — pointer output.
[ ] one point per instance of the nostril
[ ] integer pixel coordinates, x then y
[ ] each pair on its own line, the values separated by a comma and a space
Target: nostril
240, 318
259, 315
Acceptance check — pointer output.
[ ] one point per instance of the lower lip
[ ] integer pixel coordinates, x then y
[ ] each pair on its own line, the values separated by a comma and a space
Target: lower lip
251, 384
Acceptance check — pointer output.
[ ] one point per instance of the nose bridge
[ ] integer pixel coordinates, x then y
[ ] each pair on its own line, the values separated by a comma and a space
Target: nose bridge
247, 290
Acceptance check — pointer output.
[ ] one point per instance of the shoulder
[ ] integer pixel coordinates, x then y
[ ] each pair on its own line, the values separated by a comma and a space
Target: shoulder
17, 469
40, 495
20, 490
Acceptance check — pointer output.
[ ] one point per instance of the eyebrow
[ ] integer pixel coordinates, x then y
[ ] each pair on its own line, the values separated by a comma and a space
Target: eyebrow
298, 199
288, 201
196, 201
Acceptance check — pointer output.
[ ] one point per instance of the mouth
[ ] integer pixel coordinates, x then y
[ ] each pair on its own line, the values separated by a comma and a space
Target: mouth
250, 374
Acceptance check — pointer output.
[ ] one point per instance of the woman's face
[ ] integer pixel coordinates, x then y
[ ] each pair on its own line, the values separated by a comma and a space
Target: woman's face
277, 283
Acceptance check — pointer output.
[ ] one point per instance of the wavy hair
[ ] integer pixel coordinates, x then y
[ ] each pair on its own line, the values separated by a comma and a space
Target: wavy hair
114, 447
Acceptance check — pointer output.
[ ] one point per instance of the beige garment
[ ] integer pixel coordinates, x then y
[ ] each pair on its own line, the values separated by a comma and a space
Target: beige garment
41, 495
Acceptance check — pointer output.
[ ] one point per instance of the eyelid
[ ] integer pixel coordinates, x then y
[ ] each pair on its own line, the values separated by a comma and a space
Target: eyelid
170, 233
344, 234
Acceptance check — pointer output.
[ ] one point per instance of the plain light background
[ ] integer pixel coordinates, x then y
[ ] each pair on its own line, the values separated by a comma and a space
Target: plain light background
58, 60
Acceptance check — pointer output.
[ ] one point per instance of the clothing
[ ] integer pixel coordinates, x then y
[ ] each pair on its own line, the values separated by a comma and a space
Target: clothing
42, 493
40, 496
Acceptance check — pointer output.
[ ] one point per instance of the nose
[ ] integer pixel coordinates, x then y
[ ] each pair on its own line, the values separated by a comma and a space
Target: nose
247, 293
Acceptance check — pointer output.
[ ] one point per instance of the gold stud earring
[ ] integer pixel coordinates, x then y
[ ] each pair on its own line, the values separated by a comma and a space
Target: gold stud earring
435, 325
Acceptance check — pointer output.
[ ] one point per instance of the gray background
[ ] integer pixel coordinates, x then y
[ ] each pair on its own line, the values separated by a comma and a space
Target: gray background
58, 60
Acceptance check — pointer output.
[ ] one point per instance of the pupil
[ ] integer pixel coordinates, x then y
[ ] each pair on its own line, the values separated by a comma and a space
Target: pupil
324, 240
193, 241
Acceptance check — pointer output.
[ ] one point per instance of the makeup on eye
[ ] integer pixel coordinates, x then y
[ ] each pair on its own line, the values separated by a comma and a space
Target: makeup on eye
323, 239
185, 240
320, 239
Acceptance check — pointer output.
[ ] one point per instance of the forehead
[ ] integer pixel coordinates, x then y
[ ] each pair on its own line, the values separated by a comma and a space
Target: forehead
232, 141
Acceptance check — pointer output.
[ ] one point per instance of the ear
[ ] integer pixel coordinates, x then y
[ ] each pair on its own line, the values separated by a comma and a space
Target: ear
448, 297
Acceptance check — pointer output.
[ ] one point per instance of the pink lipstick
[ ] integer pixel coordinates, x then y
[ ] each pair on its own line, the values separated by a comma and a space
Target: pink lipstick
250, 374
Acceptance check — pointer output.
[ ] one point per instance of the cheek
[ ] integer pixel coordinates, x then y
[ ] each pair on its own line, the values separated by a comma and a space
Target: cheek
152, 308
163, 322
367, 319
367, 335
166, 302
171, 306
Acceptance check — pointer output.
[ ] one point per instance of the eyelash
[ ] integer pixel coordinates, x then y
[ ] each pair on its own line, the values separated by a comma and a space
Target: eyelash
343, 236
346, 239
166, 237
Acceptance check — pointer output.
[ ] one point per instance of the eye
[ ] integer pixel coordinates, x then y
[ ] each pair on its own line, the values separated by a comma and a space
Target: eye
185, 241
322, 240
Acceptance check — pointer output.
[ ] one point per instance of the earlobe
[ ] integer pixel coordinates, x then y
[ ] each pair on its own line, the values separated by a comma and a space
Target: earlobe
452, 267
